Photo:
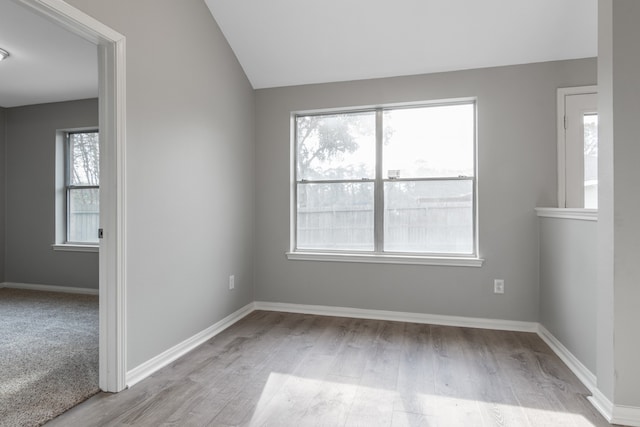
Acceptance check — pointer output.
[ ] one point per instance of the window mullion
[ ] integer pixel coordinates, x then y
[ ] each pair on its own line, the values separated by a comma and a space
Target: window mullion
378, 188
82, 187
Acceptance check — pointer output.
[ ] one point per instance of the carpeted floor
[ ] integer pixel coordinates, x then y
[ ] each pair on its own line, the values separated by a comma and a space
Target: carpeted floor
48, 354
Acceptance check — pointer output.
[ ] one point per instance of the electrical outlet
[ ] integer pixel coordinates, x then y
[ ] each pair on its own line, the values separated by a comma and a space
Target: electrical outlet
498, 286
232, 282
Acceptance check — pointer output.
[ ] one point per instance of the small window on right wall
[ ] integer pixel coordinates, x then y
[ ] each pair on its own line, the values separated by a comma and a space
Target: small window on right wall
578, 147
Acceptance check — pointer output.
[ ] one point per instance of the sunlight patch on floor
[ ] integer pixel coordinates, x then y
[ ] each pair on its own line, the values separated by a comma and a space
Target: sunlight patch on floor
25, 381
289, 400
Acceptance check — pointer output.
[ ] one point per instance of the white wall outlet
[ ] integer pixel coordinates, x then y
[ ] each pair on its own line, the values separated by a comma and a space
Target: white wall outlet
232, 282
498, 286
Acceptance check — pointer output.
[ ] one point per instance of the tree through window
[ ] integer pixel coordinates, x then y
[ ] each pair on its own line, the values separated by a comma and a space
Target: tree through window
83, 186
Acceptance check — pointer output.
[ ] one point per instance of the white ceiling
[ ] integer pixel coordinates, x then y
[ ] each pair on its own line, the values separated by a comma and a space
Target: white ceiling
291, 42
47, 63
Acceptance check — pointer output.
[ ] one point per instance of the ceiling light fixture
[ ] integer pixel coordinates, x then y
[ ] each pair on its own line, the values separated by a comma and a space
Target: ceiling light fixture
3, 54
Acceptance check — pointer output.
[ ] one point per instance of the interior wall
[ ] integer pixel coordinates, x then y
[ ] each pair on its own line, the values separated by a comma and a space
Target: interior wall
568, 285
605, 250
30, 196
516, 173
189, 171
618, 203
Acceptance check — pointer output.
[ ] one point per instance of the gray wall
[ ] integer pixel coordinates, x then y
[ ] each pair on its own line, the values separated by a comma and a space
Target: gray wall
605, 250
618, 201
517, 172
3, 116
189, 176
30, 191
568, 285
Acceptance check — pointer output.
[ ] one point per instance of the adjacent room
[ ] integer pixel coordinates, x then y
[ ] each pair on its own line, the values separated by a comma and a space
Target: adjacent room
349, 213
49, 195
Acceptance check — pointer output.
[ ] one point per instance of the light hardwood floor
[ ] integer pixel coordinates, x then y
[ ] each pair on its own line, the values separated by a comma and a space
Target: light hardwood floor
277, 369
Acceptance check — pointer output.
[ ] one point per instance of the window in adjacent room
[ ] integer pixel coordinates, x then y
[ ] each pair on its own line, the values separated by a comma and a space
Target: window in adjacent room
81, 187
381, 181
578, 147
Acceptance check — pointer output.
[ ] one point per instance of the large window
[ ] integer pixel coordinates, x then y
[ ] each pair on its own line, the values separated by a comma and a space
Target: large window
82, 186
387, 180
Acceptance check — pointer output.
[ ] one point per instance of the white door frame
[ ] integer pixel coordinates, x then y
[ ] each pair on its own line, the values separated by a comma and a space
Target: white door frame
112, 277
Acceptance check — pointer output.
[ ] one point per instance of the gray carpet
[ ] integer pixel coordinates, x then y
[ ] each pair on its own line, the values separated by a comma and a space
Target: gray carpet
48, 354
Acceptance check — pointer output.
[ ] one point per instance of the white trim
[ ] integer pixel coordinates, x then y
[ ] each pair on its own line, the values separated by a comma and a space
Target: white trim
73, 20
113, 245
66, 247
562, 93
147, 368
398, 316
626, 415
385, 259
379, 257
568, 213
49, 288
156, 363
112, 260
602, 404
582, 372
615, 414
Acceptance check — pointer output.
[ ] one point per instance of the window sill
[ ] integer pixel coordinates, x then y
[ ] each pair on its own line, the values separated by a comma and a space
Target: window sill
568, 213
386, 259
64, 247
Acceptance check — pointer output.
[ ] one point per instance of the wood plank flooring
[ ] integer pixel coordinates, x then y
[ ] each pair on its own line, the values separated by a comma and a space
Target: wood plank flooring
277, 369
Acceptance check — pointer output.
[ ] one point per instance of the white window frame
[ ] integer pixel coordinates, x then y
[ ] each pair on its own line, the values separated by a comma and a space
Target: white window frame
377, 256
63, 187
562, 144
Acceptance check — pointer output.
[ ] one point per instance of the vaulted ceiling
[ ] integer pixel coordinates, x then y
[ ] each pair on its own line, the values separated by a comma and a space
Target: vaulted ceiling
292, 42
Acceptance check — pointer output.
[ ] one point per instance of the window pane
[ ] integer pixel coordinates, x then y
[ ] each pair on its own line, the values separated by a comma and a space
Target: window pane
335, 216
590, 122
84, 215
338, 146
84, 158
429, 142
429, 216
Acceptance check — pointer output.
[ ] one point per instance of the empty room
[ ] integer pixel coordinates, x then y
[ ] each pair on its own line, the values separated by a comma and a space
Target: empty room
49, 180
358, 213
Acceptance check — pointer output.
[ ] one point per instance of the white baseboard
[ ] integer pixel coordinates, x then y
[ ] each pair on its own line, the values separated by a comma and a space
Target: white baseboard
49, 288
582, 372
147, 368
602, 404
142, 371
433, 319
626, 415
615, 414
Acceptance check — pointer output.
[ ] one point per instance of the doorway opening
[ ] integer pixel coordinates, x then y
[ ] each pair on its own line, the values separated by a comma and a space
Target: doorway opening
112, 260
